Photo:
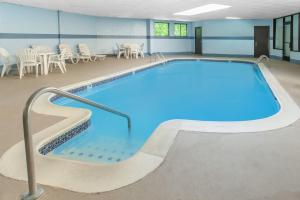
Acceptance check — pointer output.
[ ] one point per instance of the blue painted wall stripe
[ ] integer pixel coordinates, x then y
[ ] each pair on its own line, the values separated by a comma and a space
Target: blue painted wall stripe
276, 57
229, 55
27, 36
228, 38
47, 36
50, 36
295, 61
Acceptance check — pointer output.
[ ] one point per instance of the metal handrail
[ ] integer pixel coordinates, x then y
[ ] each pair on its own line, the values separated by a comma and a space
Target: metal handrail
158, 55
261, 58
162, 56
34, 191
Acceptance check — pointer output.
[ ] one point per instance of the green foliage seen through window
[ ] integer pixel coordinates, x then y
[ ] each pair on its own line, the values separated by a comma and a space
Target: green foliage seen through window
161, 29
180, 30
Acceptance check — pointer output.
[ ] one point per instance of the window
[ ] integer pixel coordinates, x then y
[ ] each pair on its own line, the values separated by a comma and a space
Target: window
282, 24
278, 27
180, 30
161, 29
296, 36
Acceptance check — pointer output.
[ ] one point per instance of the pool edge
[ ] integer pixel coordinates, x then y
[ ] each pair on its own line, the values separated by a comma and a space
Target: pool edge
153, 152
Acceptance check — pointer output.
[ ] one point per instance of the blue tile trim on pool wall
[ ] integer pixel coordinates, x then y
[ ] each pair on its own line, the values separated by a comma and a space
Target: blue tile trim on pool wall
53, 144
97, 83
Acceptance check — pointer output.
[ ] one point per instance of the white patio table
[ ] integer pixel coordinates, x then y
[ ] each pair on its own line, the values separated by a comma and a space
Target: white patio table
44, 59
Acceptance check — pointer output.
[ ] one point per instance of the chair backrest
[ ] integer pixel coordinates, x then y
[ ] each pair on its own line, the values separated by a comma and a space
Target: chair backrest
64, 54
142, 46
27, 55
134, 47
4, 56
68, 51
41, 49
120, 46
84, 49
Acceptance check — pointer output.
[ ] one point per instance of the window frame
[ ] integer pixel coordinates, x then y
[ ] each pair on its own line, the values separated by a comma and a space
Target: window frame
274, 33
180, 24
159, 22
292, 32
298, 32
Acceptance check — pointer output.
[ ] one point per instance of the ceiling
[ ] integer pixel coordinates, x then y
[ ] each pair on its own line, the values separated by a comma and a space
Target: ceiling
164, 9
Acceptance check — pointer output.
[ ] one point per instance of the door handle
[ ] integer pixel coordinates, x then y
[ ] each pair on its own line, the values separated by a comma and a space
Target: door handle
256, 44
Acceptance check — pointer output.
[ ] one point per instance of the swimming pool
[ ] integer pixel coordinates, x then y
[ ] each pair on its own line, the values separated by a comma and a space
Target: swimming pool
188, 89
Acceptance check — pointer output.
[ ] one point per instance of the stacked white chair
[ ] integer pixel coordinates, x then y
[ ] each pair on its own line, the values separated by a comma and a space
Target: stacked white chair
27, 59
74, 58
86, 54
6, 60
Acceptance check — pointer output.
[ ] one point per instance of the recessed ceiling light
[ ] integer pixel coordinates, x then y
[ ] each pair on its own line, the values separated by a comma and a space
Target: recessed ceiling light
203, 9
233, 18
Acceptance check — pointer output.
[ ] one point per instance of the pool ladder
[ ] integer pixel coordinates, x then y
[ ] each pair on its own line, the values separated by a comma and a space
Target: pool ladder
34, 191
261, 58
158, 56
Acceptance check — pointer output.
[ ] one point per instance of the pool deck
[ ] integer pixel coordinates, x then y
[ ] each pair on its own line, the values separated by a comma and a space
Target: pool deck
206, 166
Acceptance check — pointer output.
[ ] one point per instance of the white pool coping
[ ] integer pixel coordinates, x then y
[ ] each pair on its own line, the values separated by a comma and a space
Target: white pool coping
89, 177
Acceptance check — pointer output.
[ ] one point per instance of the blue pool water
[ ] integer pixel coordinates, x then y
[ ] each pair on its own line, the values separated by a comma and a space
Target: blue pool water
195, 90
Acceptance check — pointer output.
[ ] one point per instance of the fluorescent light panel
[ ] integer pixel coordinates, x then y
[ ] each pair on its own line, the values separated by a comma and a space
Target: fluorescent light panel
233, 18
203, 9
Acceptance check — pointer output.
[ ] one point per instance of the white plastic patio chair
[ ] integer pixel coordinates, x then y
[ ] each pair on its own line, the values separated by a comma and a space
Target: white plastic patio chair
85, 52
74, 58
27, 59
6, 60
58, 61
121, 50
134, 50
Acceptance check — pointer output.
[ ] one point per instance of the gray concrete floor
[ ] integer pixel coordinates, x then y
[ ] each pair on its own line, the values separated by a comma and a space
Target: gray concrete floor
206, 166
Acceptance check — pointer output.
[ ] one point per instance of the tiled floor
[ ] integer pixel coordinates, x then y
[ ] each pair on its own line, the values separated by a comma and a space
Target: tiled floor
199, 166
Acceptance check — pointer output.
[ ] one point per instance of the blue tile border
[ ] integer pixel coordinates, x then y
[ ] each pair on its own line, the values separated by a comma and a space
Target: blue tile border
97, 83
53, 144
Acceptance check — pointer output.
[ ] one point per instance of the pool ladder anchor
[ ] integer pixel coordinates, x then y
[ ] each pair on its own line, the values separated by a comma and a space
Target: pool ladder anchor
34, 191
261, 58
158, 56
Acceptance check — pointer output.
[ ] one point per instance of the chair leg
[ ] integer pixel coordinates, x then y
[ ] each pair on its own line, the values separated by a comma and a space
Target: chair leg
3, 70
61, 68
8, 69
51, 67
36, 70
64, 66
21, 68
